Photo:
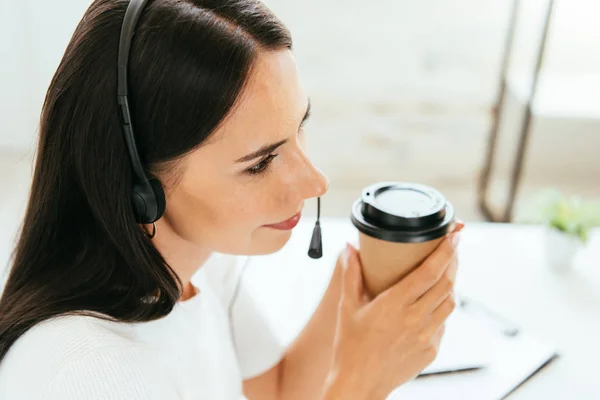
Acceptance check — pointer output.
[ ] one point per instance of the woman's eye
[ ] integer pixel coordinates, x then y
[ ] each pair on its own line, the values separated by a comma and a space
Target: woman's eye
261, 166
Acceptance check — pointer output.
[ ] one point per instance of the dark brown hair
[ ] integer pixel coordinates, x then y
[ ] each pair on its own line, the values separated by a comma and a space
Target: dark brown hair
80, 249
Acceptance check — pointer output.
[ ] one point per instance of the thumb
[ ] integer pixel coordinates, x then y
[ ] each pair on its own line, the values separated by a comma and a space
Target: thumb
353, 292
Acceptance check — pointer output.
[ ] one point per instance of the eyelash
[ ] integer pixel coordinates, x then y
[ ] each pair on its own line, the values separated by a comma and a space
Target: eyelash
262, 166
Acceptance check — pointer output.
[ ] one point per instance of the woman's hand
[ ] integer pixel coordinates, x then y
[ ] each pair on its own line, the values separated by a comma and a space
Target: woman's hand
384, 343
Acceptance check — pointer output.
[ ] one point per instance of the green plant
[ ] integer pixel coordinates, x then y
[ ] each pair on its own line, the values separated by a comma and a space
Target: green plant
569, 214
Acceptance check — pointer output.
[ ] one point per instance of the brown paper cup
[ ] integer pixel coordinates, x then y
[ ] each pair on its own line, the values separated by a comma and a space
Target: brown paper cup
400, 224
386, 263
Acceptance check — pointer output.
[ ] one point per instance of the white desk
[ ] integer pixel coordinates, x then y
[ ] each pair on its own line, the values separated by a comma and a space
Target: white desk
501, 266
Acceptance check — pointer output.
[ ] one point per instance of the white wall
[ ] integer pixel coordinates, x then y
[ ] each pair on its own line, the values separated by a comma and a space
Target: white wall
33, 37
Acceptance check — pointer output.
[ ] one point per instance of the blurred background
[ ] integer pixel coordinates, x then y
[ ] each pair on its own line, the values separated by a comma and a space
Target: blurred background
401, 90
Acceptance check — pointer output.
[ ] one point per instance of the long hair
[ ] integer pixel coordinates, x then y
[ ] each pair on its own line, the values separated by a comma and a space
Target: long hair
79, 249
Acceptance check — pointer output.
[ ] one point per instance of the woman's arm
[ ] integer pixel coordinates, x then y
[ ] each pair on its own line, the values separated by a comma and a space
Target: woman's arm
303, 371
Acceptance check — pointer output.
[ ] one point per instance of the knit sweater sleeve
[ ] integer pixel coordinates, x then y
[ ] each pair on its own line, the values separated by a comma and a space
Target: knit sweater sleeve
111, 373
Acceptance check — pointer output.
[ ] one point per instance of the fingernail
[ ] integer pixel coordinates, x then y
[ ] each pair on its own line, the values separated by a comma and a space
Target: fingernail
351, 249
455, 239
347, 253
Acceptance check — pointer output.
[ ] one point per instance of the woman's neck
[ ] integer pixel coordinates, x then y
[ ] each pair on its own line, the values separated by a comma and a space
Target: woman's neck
184, 257
189, 291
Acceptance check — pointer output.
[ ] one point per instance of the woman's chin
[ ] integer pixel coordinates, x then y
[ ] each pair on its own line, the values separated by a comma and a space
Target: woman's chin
271, 241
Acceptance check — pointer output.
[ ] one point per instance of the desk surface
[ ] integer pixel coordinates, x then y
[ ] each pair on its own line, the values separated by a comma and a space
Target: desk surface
502, 266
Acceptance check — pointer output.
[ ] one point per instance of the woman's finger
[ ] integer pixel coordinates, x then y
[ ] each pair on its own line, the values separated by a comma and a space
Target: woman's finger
431, 340
459, 226
452, 269
352, 279
431, 300
422, 279
441, 314
437, 337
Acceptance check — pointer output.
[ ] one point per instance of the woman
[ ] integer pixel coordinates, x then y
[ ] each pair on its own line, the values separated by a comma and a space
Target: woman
97, 306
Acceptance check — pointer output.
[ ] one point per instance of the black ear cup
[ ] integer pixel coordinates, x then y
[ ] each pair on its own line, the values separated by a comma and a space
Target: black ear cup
159, 194
148, 201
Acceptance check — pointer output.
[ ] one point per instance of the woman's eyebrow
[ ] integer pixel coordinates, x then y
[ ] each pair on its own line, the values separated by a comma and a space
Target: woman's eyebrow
263, 151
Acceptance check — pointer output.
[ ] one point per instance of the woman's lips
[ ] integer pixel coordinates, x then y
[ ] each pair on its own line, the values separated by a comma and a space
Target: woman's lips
286, 225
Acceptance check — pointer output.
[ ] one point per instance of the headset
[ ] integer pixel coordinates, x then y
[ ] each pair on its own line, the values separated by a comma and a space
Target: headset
148, 196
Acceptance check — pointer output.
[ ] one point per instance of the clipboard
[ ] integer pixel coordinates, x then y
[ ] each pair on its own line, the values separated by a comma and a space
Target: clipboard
511, 357
461, 349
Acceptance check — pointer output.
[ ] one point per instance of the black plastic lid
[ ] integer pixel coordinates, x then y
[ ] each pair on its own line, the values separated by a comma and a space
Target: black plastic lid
403, 212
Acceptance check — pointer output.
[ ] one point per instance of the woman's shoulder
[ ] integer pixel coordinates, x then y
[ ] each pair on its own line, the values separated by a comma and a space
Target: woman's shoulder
65, 335
69, 355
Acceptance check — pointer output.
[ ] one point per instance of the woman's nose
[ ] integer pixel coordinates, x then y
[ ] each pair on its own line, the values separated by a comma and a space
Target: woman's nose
321, 183
315, 183
306, 179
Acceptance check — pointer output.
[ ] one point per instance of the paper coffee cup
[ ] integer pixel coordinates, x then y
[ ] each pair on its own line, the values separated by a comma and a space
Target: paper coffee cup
399, 225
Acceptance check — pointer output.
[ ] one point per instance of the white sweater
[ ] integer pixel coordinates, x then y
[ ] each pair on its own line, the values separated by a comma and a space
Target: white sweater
203, 349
